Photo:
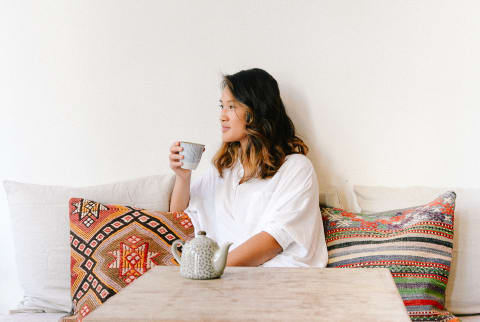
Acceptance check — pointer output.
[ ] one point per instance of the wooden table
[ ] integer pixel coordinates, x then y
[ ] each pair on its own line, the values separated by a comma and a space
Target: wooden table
258, 294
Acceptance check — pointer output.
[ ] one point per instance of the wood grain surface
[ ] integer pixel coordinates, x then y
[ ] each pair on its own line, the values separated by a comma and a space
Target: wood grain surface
258, 294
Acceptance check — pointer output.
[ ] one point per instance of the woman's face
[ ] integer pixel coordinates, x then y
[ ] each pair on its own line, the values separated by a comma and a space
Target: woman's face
232, 118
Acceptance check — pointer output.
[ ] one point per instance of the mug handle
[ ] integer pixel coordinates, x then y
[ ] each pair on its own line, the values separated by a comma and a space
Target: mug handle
174, 248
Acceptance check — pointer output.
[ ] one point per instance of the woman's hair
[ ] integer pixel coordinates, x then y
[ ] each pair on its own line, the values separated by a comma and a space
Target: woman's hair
270, 132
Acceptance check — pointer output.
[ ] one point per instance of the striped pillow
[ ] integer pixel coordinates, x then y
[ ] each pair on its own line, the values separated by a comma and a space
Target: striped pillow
415, 244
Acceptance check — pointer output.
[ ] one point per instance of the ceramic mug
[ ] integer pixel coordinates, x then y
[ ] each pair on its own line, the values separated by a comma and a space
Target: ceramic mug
192, 153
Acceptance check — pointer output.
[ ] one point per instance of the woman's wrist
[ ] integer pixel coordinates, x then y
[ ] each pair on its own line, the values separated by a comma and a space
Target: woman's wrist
183, 177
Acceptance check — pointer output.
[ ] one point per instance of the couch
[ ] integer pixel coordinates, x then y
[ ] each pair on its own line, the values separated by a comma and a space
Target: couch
37, 210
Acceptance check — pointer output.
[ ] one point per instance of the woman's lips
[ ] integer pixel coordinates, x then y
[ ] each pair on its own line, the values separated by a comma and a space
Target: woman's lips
225, 129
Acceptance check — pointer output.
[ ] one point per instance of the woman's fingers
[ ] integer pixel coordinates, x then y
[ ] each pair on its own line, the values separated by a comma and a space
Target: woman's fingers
175, 159
175, 148
175, 162
176, 156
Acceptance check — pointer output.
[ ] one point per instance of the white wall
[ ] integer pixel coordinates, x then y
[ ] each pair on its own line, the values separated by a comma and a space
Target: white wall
92, 92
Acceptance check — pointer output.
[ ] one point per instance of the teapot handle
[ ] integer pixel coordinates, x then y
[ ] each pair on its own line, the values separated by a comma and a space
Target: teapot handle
175, 252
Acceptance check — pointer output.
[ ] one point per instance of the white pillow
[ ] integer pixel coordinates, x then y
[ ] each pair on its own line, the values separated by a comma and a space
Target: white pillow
463, 287
41, 231
329, 198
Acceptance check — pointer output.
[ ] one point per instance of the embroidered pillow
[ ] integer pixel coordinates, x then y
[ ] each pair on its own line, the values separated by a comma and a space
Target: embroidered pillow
415, 244
112, 245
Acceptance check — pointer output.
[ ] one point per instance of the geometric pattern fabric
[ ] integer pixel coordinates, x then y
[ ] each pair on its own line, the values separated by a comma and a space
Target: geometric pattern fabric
113, 245
415, 244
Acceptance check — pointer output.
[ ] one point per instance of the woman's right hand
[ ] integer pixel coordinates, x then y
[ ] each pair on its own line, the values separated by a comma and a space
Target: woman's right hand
175, 161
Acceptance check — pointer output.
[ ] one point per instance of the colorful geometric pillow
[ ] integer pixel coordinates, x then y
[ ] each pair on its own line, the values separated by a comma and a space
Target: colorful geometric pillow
415, 244
112, 245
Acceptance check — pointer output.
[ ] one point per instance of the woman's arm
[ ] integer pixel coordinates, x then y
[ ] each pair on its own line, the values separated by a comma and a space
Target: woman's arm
180, 194
255, 251
181, 191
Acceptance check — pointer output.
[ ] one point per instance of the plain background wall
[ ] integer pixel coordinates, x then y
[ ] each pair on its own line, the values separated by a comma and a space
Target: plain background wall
93, 92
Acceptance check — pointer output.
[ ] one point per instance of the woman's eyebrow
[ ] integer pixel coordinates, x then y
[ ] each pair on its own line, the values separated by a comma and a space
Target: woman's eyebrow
227, 101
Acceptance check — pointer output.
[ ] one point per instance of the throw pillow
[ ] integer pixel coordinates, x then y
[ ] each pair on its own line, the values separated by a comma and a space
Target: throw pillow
113, 245
43, 257
415, 244
463, 289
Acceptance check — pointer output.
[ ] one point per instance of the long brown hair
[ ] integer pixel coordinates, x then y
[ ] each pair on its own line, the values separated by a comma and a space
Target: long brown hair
270, 132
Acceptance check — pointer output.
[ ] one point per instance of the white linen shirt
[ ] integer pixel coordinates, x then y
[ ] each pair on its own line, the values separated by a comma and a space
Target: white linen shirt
286, 206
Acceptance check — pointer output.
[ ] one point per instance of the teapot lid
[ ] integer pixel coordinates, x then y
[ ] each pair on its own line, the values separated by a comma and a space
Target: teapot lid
202, 240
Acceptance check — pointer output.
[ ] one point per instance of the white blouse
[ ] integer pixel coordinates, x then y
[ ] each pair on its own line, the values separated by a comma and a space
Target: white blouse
286, 206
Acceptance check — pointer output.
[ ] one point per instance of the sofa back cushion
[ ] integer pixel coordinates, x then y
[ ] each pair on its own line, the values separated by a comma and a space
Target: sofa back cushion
329, 197
39, 215
463, 288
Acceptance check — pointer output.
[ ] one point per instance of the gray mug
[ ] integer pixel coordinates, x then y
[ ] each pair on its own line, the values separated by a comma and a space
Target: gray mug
192, 153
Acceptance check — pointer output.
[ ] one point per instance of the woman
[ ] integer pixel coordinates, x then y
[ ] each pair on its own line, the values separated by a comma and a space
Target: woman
261, 191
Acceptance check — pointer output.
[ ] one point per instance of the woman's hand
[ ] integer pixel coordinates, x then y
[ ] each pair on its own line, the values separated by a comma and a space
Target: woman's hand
176, 163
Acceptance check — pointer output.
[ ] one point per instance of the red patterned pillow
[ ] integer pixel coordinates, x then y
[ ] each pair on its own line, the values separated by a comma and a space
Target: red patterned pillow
112, 245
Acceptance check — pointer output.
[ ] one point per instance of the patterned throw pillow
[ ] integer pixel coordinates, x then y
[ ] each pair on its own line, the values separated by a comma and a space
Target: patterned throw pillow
415, 244
112, 245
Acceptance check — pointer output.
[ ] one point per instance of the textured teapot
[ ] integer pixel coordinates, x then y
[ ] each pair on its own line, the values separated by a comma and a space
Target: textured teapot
201, 257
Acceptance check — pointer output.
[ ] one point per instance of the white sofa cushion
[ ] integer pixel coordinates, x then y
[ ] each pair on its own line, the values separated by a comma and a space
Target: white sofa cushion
40, 221
463, 288
329, 197
32, 317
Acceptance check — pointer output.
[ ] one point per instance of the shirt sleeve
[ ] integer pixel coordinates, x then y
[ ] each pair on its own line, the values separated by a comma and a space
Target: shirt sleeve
200, 188
294, 214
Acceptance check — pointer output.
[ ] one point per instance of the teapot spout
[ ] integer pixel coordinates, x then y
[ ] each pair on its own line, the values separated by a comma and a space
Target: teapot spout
221, 259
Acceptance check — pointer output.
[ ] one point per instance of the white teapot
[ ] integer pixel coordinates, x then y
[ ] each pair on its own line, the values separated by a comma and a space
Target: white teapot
201, 257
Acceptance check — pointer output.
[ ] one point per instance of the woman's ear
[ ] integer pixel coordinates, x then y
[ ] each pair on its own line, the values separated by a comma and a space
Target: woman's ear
248, 117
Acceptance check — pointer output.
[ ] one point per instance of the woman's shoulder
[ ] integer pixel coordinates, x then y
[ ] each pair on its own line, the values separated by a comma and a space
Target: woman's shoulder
296, 165
297, 160
209, 173
212, 171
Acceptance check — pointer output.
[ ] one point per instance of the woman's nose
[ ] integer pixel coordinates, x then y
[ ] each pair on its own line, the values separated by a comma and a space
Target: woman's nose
223, 115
